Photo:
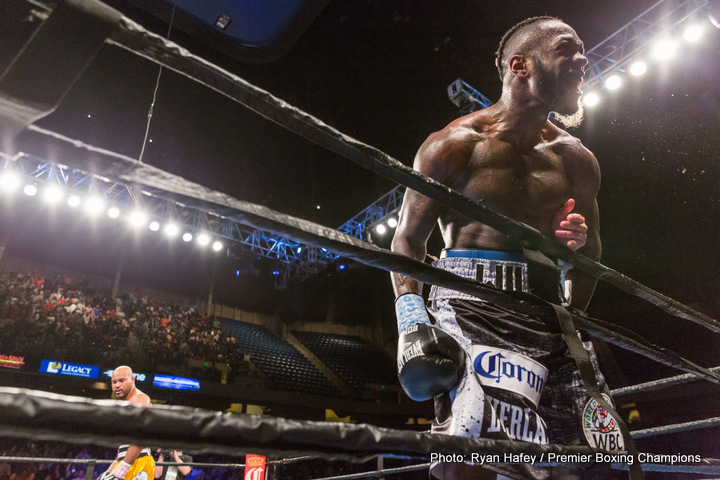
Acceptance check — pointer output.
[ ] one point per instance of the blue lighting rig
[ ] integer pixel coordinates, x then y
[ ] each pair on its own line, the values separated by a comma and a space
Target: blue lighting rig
297, 261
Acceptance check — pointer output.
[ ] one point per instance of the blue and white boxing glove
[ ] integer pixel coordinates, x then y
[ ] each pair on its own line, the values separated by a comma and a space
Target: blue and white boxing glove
430, 361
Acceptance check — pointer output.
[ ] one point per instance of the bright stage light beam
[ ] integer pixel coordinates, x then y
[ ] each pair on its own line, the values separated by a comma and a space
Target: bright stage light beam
30, 190
137, 218
613, 82
693, 33
171, 229
9, 182
664, 49
590, 99
113, 212
52, 194
203, 239
638, 68
94, 205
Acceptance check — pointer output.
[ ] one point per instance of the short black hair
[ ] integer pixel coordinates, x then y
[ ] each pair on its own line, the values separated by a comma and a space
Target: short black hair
510, 34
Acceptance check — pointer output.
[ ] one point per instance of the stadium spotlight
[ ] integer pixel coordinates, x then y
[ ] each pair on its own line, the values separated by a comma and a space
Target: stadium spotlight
638, 68
93, 205
693, 33
9, 181
171, 229
187, 236
113, 212
30, 190
52, 194
217, 245
392, 222
203, 239
154, 226
137, 218
613, 82
74, 201
664, 49
381, 229
299, 250
590, 99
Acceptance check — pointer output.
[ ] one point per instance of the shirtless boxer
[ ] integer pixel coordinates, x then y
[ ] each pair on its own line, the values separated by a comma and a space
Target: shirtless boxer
132, 462
495, 373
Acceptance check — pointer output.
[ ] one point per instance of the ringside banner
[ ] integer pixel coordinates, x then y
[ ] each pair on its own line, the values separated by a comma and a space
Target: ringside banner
72, 369
254, 467
12, 361
178, 383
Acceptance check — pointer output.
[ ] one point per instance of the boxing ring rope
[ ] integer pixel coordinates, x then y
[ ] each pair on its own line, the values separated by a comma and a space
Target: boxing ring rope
30, 414
379, 473
283, 461
134, 38
712, 466
658, 384
101, 461
46, 416
93, 461
675, 428
650, 467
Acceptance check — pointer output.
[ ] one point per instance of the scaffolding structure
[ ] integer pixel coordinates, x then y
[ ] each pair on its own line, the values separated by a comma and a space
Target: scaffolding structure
296, 261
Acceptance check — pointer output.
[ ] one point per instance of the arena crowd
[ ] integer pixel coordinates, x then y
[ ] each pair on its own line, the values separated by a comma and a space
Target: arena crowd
69, 320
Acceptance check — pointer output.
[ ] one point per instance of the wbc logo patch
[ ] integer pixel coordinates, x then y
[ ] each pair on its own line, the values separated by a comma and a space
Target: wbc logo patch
600, 427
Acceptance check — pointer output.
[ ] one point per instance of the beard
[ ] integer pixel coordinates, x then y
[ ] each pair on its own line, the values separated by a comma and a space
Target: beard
572, 120
568, 111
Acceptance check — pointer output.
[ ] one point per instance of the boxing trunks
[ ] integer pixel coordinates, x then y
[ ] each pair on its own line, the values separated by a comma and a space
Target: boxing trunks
143, 468
520, 382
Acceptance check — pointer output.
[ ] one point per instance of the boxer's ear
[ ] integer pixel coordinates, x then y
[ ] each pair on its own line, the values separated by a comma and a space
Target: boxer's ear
518, 66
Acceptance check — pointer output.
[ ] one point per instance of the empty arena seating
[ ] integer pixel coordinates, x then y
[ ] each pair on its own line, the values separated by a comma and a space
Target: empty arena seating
283, 365
353, 359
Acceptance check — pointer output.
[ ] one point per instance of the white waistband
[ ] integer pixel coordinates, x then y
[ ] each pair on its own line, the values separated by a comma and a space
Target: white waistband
122, 451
